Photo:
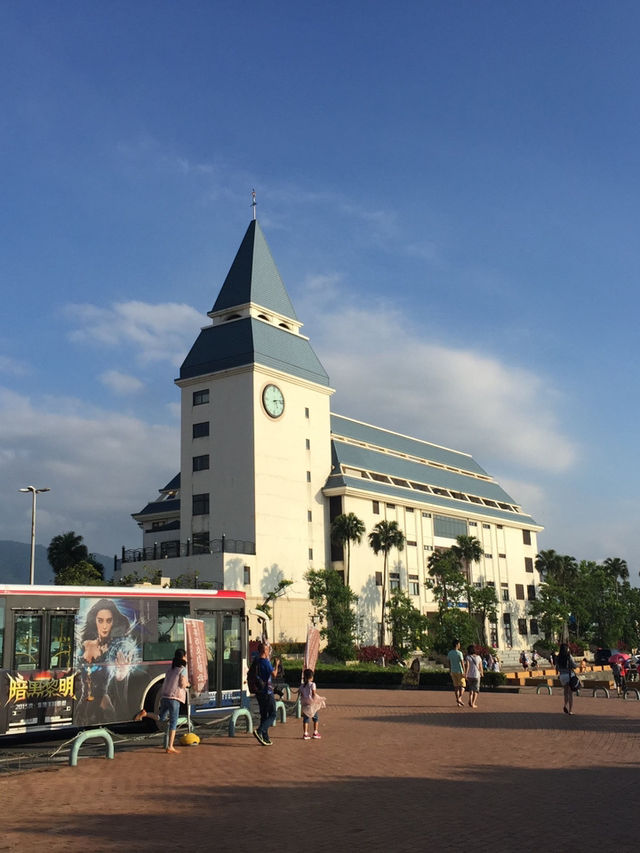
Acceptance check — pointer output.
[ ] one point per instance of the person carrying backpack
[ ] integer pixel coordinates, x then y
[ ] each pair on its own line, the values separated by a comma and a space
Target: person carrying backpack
264, 694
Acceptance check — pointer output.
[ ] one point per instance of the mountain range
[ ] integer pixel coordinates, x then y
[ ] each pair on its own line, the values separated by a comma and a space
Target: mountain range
15, 558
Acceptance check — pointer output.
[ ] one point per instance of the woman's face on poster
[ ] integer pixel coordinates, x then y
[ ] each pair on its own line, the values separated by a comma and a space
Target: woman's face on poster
104, 623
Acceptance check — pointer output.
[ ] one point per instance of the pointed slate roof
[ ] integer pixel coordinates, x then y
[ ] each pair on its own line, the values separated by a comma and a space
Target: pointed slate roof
254, 277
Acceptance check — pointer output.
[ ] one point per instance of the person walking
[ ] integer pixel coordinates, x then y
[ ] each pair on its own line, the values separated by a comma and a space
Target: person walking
565, 666
310, 704
456, 667
264, 695
473, 672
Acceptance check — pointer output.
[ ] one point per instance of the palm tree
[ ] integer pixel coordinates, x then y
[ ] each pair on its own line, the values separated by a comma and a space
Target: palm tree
468, 550
66, 550
385, 536
346, 529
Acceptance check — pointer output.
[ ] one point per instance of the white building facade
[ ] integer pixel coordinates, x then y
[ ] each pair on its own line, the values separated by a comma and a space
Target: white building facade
265, 467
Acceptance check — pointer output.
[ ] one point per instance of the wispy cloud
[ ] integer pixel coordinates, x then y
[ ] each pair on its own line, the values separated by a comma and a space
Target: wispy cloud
120, 383
388, 373
99, 465
12, 366
160, 332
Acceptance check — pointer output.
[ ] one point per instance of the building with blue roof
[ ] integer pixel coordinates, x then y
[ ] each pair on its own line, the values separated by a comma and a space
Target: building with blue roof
266, 466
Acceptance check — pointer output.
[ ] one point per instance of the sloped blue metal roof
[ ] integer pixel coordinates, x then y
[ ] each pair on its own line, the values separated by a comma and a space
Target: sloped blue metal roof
395, 466
160, 507
247, 341
403, 444
336, 481
254, 277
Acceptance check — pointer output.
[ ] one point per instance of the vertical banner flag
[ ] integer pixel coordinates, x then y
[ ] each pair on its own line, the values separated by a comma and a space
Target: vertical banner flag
196, 655
311, 648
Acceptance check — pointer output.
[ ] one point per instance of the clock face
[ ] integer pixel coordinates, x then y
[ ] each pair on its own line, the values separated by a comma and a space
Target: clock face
273, 401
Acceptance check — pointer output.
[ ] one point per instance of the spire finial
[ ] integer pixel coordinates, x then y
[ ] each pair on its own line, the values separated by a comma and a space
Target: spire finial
253, 202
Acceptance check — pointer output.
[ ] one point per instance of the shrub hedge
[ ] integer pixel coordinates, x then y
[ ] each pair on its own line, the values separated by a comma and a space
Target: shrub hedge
378, 676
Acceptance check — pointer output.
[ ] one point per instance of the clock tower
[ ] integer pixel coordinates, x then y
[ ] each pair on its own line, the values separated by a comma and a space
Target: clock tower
256, 437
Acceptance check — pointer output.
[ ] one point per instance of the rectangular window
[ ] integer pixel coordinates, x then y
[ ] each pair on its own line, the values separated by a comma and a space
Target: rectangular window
309, 515
308, 476
486, 526
306, 412
391, 506
526, 537
522, 627
531, 593
200, 397
26, 646
411, 542
201, 463
426, 515
378, 578
61, 641
473, 524
200, 543
520, 592
200, 504
489, 556
505, 592
449, 527
394, 580
528, 564
533, 626
170, 630
502, 556
307, 443
428, 547
311, 553
409, 509
376, 507
247, 575
201, 430
414, 588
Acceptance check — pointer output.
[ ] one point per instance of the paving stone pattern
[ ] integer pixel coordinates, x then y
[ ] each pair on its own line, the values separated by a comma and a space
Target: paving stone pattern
394, 771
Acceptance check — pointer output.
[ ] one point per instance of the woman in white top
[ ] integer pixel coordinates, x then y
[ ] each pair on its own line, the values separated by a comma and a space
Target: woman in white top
473, 672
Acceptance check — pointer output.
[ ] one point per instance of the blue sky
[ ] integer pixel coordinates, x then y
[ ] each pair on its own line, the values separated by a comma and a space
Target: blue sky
450, 192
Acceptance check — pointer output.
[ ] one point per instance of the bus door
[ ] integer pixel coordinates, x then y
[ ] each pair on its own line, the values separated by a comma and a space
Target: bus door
40, 680
223, 634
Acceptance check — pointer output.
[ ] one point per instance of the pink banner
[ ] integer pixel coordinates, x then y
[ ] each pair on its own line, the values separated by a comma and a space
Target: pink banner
312, 648
196, 655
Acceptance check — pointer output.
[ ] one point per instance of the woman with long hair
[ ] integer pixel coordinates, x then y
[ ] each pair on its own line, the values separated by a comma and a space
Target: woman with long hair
565, 666
104, 654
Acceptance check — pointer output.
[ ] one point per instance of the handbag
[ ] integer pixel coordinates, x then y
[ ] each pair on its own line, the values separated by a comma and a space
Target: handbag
574, 682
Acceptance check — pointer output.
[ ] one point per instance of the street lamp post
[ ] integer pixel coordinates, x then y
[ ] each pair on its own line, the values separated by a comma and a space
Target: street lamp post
32, 565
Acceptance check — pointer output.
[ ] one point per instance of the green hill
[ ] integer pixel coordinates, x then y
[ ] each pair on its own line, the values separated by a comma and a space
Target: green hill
15, 558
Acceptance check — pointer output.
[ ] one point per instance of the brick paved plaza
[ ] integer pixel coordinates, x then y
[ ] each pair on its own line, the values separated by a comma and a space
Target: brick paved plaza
394, 771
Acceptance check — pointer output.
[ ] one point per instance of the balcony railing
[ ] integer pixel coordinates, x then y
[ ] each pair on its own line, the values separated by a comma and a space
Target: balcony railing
172, 549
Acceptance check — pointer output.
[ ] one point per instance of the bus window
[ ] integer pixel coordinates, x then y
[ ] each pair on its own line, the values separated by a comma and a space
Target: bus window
1, 631
26, 646
211, 638
170, 630
61, 641
232, 651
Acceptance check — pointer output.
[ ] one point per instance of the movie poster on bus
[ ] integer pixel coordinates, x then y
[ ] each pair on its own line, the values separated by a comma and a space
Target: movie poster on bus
108, 650
196, 644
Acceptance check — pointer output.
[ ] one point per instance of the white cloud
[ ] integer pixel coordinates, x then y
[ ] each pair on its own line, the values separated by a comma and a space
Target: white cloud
100, 466
12, 366
158, 332
388, 374
120, 383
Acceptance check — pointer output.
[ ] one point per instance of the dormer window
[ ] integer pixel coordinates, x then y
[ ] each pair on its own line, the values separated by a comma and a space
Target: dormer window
283, 326
263, 317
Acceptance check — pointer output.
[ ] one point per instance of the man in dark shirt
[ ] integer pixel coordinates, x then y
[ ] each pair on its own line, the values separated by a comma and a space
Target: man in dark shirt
265, 697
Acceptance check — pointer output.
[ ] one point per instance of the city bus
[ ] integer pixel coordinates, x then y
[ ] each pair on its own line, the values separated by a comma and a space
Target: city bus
89, 656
